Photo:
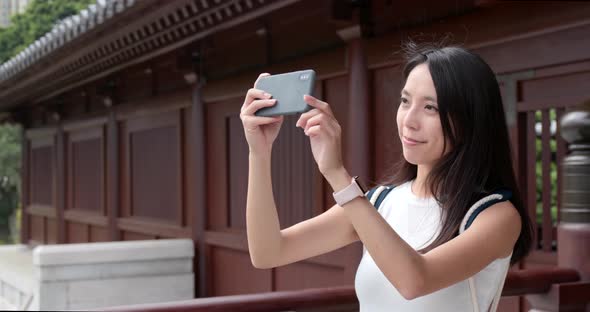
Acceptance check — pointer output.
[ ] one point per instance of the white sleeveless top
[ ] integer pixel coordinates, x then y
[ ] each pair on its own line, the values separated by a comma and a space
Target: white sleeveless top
417, 221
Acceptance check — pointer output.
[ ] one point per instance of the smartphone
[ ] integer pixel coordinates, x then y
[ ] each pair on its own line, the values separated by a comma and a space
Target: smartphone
288, 89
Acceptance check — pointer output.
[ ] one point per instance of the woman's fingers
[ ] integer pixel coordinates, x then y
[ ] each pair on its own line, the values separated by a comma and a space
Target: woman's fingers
256, 105
254, 94
306, 116
321, 121
321, 105
314, 131
251, 123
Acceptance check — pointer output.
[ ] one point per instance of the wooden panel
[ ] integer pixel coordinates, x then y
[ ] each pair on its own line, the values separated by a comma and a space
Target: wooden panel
538, 51
217, 153
99, 234
549, 88
152, 227
155, 174
86, 183
127, 236
292, 168
305, 275
86, 217
152, 166
51, 231
232, 273
41, 210
509, 304
338, 99
387, 148
37, 229
77, 232
237, 152
42, 175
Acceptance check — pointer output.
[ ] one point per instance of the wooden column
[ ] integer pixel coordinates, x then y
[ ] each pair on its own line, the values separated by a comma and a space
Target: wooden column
25, 196
60, 186
509, 84
112, 188
199, 187
357, 131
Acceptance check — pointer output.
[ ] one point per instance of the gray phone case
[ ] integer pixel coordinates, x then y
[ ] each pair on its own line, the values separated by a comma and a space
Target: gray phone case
288, 89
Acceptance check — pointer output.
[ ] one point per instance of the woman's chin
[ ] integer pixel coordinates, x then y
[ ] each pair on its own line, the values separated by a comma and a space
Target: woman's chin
412, 159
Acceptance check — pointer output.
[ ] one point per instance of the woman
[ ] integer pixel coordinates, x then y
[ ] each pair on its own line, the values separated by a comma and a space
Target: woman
455, 154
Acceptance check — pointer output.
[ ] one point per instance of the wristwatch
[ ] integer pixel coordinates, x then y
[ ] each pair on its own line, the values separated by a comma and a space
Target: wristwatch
349, 193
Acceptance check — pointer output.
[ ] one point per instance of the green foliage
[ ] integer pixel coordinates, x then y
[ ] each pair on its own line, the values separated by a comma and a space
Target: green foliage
37, 20
552, 173
10, 148
25, 28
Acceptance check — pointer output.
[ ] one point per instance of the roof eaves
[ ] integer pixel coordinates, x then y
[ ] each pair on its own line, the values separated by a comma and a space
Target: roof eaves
63, 32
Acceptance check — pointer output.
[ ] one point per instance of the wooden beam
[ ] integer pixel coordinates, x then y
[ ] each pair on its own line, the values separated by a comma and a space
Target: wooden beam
25, 195
357, 158
60, 186
199, 187
112, 188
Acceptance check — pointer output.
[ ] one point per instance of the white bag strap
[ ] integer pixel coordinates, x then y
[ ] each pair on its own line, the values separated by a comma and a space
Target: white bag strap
473, 291
376, 194
496, 299
497, 296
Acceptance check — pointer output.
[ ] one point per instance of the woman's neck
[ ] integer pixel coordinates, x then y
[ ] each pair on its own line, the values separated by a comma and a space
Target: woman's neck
419, 187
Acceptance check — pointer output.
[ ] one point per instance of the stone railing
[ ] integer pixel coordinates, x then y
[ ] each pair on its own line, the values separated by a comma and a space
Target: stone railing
16, 277
96, 275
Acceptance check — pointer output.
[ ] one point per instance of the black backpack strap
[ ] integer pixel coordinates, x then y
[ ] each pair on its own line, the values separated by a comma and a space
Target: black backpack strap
377, 194
494, 198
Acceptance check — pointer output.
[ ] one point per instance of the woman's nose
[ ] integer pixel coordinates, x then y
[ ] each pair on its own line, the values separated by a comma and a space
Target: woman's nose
411, 119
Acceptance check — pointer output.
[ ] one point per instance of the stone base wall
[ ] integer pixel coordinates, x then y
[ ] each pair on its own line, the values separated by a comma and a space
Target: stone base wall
95, 275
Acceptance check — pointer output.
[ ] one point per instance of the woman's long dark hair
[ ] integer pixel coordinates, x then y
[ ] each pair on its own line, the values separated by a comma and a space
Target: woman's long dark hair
474, 126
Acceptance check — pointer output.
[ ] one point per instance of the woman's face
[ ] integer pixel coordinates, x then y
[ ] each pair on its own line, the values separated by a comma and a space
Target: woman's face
418, 121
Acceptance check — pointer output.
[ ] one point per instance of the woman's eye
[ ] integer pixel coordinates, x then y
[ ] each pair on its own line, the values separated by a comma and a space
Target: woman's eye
432, 108
403, 100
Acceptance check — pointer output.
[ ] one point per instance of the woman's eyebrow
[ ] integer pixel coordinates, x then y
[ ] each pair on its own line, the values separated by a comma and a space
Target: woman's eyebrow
428, 98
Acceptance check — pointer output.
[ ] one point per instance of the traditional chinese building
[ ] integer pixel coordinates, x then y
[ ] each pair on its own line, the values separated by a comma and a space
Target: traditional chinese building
130, 113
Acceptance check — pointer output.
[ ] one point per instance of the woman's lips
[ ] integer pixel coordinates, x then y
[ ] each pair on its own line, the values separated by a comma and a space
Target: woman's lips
410, 141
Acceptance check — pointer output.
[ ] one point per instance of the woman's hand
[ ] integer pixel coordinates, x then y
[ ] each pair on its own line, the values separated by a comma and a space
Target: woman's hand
260, 131
324, 135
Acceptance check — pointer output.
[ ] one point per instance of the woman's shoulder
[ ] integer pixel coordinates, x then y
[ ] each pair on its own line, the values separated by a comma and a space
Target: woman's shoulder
485, 201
